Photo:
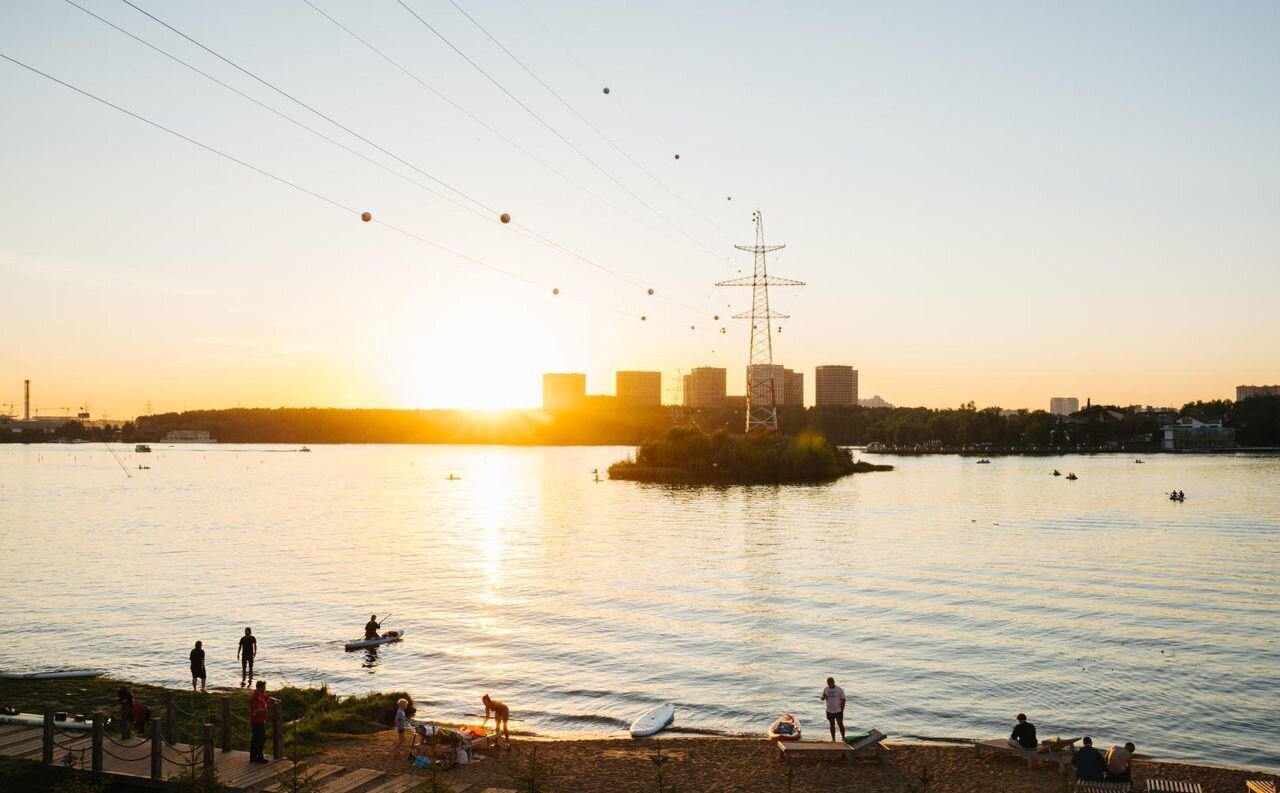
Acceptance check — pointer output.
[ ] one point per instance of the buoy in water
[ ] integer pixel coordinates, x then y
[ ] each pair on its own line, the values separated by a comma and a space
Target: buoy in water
366, 216
504, 217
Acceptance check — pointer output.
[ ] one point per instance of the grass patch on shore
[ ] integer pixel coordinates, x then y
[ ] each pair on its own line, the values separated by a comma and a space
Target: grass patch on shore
687, 455
311, 715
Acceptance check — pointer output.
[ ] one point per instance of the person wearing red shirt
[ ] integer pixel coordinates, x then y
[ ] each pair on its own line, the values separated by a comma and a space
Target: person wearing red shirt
259, 706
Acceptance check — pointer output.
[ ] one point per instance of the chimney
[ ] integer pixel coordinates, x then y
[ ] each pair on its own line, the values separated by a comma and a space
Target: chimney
26, 400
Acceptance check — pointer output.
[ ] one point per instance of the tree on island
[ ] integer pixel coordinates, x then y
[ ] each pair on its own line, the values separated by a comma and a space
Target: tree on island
689, 455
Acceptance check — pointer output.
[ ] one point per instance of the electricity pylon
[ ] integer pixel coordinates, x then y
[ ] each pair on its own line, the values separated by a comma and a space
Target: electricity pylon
762, 409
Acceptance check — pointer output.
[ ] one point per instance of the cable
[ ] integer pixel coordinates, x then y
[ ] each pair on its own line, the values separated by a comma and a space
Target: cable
553, 130
491, 211
310, 192
584, 120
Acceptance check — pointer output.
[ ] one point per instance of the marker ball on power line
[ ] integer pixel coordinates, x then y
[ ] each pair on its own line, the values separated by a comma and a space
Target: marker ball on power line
366, 216
643, 317
677, 156
728, 198
692, 328
555, 291
504, 217
650, 291
606, 89
716, 317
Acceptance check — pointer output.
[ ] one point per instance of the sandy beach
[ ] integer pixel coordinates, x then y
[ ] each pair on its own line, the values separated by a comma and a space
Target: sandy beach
711, 765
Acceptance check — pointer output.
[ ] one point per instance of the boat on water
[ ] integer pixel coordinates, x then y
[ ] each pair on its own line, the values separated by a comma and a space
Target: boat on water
386, 638
1072, 477
52, 674
142, 448
653, 721
304, 449
786, 728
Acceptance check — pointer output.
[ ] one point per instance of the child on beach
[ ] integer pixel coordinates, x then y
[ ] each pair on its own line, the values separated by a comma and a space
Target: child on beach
402, 722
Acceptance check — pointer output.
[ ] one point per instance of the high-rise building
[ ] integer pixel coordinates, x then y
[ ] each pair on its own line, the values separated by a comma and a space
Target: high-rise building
704, 387
793, 386
1243, 392
563, 391
1063, 406
639, 388
759, 372
835, 385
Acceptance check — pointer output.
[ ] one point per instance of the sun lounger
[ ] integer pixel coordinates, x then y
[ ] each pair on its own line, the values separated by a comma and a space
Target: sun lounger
1042, 754
1260, 786
871, 745
1172, 786
1083, 786
822, 750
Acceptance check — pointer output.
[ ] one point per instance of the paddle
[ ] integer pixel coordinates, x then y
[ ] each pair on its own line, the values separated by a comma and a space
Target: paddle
477, 715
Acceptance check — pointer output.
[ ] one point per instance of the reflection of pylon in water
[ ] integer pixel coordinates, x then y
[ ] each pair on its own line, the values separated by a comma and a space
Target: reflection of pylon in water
762, 410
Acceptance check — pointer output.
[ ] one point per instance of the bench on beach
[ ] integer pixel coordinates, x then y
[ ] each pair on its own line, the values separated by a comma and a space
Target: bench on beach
1043, 754
1172, 786
1085, 786
835, 750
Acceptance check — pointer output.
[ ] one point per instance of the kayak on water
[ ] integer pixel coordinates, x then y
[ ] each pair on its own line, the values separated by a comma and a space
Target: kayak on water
786, 728
386, 638
52, 674
653, 721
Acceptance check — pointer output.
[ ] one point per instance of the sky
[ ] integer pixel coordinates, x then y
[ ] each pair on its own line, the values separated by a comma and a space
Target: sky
996, 202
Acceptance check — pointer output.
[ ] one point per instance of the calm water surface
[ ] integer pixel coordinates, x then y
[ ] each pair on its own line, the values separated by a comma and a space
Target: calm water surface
944, 596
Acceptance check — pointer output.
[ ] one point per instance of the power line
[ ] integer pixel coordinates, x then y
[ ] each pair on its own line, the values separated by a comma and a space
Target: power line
553, 130
584, 119
437, 93
493, 212
316, 195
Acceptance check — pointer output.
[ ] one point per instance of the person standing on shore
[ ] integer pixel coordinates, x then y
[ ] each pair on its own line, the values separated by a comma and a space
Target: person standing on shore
259, 708
246, 652
501, 716
1024, 734
833, 695
402, 722
1119, 763
197, 666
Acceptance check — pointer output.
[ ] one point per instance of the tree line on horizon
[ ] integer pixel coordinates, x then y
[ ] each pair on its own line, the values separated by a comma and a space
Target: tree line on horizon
1257, 421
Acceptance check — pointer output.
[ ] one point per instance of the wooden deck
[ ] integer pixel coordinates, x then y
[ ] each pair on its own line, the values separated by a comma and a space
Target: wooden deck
131, 760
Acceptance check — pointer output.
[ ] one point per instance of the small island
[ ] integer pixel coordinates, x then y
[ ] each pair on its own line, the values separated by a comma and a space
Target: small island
687, 455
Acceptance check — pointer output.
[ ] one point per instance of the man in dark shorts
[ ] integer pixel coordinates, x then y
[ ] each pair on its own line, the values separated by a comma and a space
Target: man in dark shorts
246, 651
197, 666
372, 627
833, 695
1024, 734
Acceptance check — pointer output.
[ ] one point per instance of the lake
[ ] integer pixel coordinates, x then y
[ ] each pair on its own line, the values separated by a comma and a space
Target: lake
944, 596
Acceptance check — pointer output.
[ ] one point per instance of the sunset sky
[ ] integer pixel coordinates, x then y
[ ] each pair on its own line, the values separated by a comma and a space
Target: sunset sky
997, 202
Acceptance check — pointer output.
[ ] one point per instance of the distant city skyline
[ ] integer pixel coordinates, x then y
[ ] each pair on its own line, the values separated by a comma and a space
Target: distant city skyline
988, 205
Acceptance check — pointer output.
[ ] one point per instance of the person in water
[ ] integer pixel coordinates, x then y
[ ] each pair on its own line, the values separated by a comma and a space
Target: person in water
372, 627
246, 652
1090, 767
1024, 734
197, 666
501, 716
833, 695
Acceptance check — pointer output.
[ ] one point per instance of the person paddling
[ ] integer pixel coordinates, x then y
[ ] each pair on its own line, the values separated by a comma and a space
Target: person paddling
372, 627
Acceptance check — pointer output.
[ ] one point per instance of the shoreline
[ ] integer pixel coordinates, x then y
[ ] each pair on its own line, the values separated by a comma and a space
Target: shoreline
707, 763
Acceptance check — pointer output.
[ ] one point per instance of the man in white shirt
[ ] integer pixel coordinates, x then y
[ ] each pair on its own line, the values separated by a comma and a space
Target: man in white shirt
833, 695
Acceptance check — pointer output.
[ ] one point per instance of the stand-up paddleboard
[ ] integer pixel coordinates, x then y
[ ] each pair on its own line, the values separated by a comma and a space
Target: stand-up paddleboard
653, 721
386, 638
36, 720
786, 728
52, 674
